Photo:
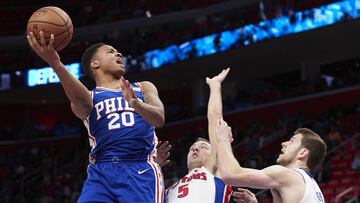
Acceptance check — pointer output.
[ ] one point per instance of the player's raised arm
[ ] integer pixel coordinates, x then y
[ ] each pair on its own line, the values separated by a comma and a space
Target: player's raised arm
152, 109
215, 112
232, 173
77, 93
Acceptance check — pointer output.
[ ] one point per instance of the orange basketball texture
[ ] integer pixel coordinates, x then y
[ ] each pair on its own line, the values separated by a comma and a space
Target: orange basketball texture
51, 20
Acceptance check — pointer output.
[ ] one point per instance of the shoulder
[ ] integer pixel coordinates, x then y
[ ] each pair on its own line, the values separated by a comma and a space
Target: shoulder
146, 84
147, 87
278, 170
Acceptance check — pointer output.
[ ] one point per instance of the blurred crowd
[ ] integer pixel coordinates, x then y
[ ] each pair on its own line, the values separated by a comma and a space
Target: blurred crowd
135, 42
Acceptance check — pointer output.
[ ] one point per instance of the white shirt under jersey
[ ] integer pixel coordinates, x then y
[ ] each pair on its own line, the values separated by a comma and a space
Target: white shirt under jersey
312, 193
198, 186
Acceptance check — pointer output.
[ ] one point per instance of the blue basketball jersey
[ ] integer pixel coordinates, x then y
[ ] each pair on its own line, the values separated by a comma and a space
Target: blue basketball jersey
115, 129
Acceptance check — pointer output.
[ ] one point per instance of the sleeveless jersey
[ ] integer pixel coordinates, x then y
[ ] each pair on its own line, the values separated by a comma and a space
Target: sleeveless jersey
115, 129
312, 193
199, 185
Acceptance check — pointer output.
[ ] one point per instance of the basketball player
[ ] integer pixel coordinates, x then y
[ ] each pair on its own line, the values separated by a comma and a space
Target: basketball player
120, 118
202, 183
290, 181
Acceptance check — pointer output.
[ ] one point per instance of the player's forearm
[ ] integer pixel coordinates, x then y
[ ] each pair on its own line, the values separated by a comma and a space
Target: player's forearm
215, 101
228, 165
154, 115
74, 89
214, 112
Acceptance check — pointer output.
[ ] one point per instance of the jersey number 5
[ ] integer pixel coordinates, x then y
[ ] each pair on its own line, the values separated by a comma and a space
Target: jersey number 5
183, 191
127, 119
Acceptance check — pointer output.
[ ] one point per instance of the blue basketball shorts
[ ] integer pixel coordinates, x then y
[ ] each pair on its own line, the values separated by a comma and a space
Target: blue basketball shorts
125, 182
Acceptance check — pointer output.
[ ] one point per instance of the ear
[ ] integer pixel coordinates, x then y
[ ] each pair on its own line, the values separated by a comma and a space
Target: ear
95, 64
303, 153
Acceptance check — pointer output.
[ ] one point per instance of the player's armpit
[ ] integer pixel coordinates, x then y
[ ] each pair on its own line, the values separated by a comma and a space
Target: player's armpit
269, 178
81, 111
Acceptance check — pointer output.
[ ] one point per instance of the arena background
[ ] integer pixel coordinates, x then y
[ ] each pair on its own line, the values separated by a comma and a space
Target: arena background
293, 64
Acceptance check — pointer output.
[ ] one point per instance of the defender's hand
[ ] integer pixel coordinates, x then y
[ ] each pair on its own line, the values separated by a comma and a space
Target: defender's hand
46, 52
244, 195
223, 131
163, 153
219, 78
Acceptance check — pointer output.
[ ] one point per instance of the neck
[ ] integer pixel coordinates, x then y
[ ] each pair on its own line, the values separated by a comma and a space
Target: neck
298, 164
190, 168
108, 82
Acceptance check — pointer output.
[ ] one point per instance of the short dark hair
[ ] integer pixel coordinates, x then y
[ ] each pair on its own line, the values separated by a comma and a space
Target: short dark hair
316, 146
87, 57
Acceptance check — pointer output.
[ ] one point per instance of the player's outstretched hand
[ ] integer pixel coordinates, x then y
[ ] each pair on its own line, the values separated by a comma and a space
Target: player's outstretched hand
219, 78
46, 52
223, 131
244, 195
163, 153
127, 91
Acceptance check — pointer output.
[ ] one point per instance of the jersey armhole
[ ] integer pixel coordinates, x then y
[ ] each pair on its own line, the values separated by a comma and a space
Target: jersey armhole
92, 101
301, 175
141, 89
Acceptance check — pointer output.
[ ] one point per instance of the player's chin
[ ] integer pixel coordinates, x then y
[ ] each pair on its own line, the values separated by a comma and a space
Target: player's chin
120, 70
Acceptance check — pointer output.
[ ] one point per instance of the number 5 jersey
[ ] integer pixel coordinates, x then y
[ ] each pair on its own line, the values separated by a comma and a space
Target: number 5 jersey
198, 186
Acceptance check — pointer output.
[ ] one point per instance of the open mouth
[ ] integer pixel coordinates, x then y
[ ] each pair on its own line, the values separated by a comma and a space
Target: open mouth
119, 61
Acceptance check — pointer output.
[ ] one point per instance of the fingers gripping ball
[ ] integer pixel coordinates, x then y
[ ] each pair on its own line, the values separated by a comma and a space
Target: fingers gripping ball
51, 20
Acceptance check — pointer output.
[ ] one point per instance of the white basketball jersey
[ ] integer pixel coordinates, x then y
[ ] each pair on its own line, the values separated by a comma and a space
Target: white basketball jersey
198, 186
312, 193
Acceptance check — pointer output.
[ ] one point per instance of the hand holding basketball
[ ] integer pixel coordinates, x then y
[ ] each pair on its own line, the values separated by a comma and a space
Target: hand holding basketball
46, 52
51, 20
49, 30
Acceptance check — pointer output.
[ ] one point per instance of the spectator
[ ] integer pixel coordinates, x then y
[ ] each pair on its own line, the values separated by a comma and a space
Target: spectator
356, 162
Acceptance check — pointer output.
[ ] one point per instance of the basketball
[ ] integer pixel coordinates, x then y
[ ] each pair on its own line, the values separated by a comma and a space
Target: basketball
51, 20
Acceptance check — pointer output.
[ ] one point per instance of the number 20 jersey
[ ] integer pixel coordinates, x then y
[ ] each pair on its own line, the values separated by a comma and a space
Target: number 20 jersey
115, 129
198, 186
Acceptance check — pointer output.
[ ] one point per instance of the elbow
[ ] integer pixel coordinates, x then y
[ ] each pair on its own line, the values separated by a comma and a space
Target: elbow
214, 114
227, 178
160, 122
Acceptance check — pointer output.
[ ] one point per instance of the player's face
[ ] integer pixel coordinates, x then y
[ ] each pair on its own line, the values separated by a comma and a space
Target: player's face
199, 154
110, 61
289, 150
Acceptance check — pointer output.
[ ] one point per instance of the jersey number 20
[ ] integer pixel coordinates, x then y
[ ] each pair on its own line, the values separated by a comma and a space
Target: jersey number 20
127, 119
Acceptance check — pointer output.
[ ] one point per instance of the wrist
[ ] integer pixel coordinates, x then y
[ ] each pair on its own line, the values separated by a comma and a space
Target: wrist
56, 64
215, 84
135, 103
